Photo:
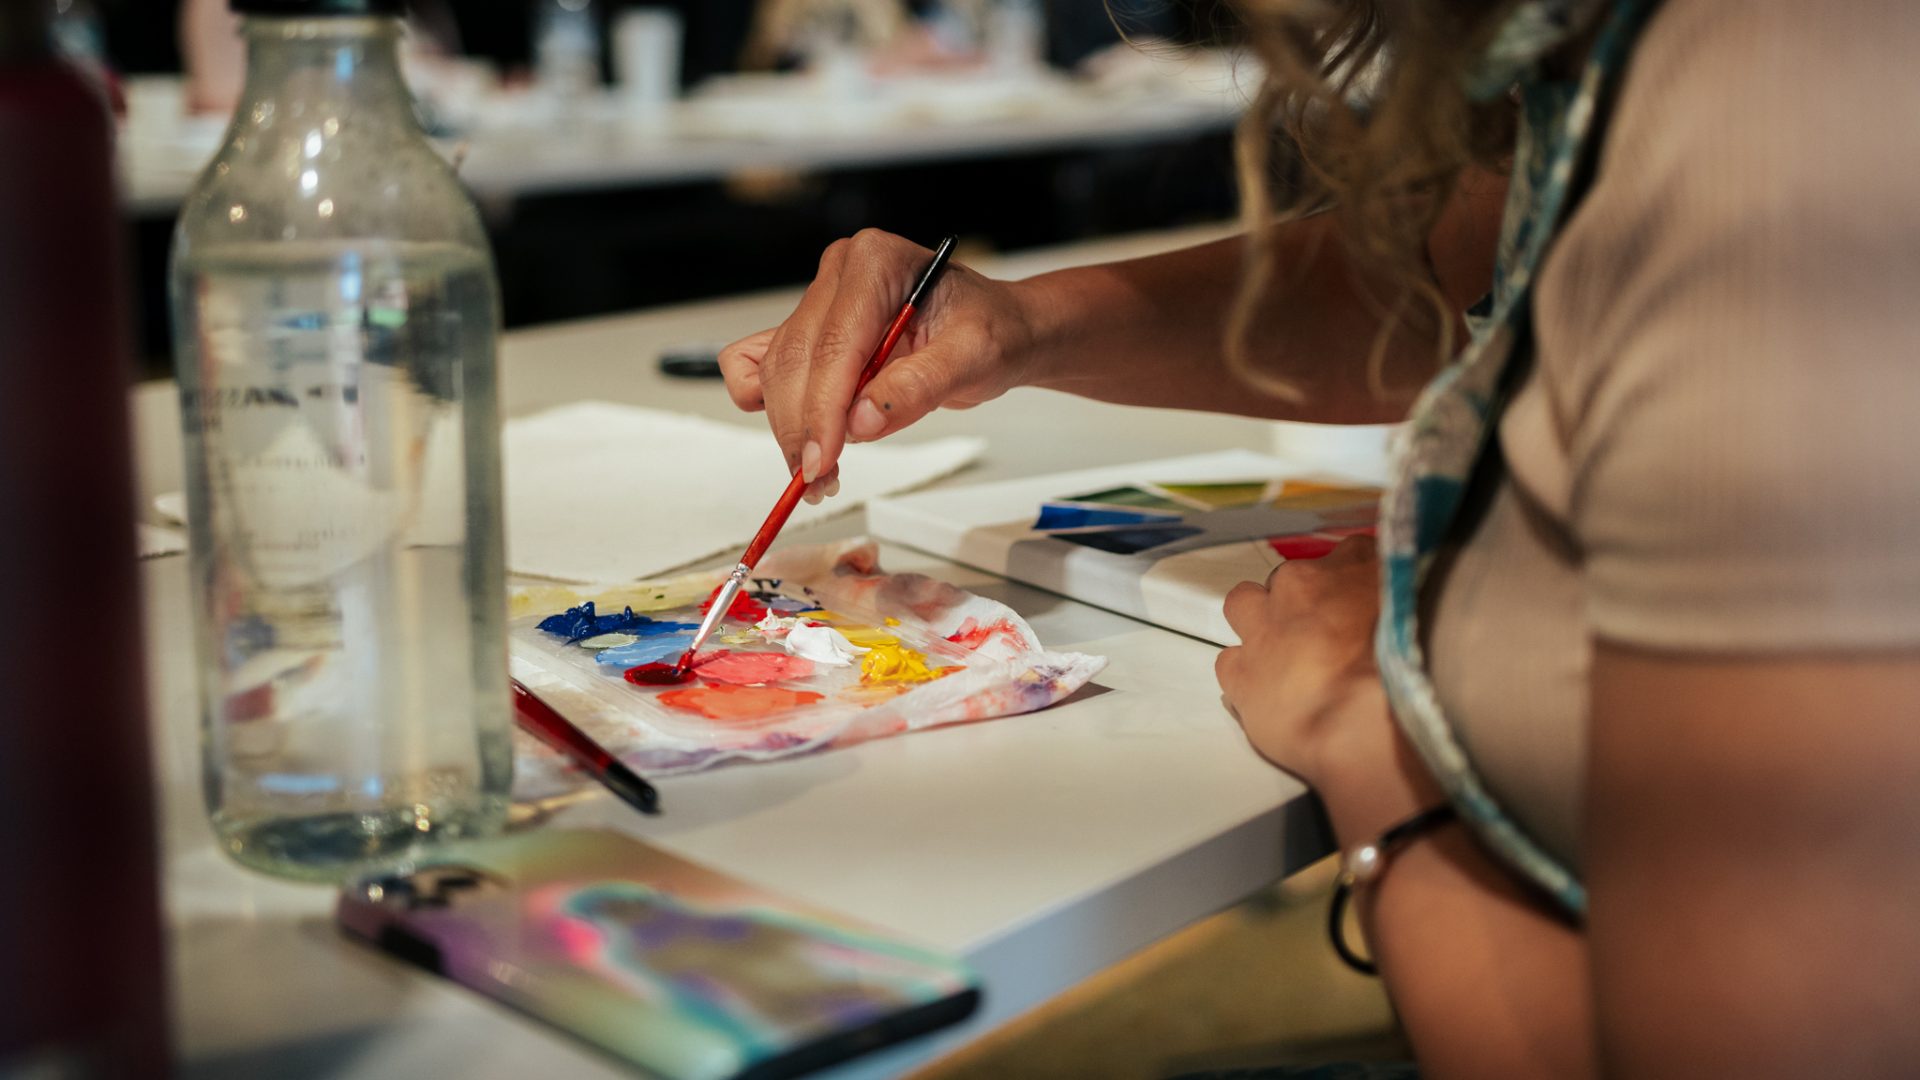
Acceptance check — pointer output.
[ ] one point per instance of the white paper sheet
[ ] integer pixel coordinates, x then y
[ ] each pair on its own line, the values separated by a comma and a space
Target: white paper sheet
602, 492
605, 492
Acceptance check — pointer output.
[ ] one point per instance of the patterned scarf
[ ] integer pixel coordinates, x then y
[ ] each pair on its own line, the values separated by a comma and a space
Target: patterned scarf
1455, 417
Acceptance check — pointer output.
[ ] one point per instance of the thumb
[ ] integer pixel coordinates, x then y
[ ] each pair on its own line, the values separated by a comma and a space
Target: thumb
1359, 548
904, 391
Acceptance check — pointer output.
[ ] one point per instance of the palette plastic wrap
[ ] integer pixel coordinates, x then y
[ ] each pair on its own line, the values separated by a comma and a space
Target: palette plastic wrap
976, 660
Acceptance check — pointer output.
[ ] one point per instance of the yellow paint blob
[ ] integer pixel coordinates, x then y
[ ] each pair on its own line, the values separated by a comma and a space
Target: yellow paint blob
895, 663
867, 637
891, 621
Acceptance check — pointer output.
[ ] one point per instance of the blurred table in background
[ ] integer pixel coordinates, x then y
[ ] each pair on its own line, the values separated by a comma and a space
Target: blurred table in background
520, 144
606, 205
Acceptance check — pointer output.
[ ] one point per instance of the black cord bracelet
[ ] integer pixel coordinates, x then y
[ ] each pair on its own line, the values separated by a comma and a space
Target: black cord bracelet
1364, 864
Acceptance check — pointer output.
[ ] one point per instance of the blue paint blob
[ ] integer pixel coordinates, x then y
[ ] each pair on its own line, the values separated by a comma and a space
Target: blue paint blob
580, 623
1055, 516
651, 650
787, 605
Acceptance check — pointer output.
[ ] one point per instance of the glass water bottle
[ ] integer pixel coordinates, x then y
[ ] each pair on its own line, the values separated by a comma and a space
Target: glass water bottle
335, 313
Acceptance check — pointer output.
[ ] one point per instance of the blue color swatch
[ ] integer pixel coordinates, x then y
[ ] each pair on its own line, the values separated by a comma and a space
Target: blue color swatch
1131, 541
1056, 516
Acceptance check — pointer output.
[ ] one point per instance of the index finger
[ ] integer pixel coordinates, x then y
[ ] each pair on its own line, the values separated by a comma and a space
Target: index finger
856, 323
740, 367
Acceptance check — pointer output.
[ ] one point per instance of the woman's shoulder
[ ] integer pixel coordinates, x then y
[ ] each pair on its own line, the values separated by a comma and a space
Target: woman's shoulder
1727, 331
1756, 174
1824, 71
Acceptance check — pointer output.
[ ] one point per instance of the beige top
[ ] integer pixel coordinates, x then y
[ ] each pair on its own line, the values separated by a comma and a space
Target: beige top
1716, 449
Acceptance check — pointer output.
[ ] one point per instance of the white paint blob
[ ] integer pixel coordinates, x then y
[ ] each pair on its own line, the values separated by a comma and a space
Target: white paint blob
822, 645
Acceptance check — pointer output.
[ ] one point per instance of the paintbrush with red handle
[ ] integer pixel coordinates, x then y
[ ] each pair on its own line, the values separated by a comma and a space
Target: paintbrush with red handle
542, 721
783, 509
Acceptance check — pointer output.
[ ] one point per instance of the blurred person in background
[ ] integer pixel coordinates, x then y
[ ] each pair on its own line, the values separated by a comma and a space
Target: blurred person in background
214, 56
931, 34
1619, 724
200, 37
784, 29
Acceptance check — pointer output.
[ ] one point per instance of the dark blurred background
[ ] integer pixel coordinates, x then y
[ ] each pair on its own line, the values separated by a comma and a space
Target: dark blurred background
607, 247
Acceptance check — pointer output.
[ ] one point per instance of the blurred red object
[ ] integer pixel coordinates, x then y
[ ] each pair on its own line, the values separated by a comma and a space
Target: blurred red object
80, 929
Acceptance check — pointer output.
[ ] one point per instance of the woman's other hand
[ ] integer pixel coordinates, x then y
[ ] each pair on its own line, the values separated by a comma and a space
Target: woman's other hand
1305, 662
969, 343
1305, 688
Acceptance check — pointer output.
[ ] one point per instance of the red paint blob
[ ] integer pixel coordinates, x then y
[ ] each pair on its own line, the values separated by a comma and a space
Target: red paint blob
661, 674
743, 669
735, 703
743, 609
972, 635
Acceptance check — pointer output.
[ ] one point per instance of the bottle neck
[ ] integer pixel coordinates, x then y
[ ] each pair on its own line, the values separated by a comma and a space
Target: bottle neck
337, 65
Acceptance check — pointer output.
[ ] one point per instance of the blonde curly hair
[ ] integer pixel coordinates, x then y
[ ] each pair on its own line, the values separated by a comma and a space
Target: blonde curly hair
1362, 107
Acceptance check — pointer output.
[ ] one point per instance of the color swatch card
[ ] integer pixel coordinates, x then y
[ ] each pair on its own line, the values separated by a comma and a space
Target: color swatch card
1161, 541
824, 650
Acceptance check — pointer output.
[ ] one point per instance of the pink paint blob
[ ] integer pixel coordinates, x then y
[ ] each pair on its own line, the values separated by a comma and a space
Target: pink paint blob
737, 703
746, 669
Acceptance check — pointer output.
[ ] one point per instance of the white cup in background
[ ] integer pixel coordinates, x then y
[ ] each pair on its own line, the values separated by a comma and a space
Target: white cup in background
646, 55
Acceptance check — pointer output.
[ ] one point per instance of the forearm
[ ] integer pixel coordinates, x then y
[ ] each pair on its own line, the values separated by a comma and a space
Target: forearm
1151, 331
1485, 979
1750, 831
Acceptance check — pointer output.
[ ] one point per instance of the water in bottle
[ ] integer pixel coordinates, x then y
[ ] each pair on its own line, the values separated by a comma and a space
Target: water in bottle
335, 321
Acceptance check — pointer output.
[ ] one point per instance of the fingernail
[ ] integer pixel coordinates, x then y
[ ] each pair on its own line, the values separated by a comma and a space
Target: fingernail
810, 462
866, 421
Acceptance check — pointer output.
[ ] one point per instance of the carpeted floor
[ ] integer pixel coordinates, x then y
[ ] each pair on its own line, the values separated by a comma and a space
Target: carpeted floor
1255, 985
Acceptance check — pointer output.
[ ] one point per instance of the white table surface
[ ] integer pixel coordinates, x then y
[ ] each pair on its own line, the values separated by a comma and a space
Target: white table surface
1041, 848
602, 144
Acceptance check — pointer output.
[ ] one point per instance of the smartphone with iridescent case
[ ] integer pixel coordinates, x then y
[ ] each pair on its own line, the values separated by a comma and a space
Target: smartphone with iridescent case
673, 967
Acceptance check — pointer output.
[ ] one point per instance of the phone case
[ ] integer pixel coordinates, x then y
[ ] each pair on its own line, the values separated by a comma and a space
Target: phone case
661, 962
